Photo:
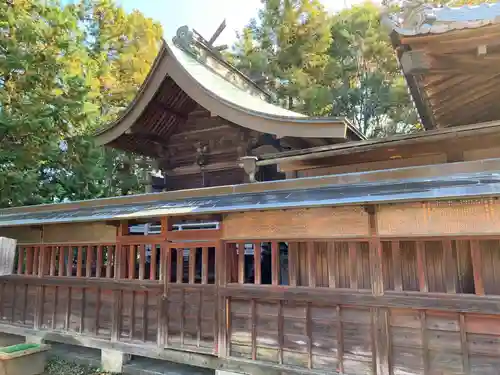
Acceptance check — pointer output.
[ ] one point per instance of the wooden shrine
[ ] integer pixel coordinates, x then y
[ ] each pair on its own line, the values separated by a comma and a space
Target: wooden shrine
196, 116
304, 276
382, 259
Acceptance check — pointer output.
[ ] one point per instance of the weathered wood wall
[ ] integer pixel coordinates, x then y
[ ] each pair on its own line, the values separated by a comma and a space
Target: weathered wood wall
393, 289
428, 319
62, 233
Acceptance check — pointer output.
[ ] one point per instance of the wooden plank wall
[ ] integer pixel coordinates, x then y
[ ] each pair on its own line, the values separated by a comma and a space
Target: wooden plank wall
397, 303
352, 290
335, 319
140, 290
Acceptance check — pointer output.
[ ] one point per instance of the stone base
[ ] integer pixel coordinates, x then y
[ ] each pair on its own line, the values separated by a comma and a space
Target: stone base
34, 340
221, 372
113, 360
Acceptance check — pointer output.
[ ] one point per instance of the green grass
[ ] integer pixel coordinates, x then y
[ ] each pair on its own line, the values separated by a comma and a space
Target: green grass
60, 367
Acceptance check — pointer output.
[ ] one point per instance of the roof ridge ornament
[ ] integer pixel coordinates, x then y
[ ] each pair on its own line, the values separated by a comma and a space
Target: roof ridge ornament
184, 39
416, 13
413, 15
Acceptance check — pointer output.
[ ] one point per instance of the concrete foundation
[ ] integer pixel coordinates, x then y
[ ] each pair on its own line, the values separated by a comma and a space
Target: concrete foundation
34, 340
221, 372
113, 360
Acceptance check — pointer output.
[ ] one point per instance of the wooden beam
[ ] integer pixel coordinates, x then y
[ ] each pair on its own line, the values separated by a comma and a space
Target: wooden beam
171, 112
420, 62
217, 33
451, 303
458, 40
195, 169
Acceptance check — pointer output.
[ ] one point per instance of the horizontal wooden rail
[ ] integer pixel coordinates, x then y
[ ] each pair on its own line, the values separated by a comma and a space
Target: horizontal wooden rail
191, 245
414, 300
187, 286
194, 234
82, 282
139, 239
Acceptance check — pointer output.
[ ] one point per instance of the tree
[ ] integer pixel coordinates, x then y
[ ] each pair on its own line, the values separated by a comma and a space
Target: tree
369, 87
64, 72
287, 43
42, 101
121, 48
328, 65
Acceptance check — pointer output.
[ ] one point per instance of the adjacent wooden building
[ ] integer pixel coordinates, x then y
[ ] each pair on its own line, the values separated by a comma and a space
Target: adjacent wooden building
382, 259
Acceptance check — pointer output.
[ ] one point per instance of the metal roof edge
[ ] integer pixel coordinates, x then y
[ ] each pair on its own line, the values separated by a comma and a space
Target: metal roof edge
326, 151
271, 186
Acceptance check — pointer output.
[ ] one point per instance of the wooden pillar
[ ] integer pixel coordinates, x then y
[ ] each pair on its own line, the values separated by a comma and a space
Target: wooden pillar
122, 230
164, 276
223, 303
380, 316
38, 313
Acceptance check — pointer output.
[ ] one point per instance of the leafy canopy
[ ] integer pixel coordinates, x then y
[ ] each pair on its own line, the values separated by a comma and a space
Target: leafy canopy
64, 72
328, 65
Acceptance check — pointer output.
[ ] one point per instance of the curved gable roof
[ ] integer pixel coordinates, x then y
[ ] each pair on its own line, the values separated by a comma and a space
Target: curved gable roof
206, 80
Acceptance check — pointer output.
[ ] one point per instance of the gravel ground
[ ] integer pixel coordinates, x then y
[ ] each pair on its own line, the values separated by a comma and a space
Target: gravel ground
60, 367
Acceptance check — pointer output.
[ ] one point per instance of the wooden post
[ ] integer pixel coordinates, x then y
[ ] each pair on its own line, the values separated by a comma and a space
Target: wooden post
450, 267
164, 276
396, 266
311, 262
422, 267
7, 255
257, 263
40, 290
380, 316
332, 265
222, 302
118, 273
275, 263
477, 267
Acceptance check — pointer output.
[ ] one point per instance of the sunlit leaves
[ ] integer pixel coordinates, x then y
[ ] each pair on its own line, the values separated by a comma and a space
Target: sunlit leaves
65, 71
328, 64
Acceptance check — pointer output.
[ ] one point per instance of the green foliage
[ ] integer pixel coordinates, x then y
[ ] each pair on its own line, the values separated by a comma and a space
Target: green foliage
57, 366
328, 65
369, 88
287, 43
64, 72
41, 100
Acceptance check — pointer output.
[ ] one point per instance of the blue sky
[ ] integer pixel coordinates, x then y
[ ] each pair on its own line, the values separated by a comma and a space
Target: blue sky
206, 15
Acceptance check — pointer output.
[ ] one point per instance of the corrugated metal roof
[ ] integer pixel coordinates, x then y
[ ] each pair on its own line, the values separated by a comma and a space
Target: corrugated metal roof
419, 19
449, 187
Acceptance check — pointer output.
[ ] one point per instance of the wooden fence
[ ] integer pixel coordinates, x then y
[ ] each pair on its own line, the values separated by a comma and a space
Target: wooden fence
359, 305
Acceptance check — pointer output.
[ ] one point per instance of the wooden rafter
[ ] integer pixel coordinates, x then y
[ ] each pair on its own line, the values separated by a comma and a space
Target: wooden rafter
422, 62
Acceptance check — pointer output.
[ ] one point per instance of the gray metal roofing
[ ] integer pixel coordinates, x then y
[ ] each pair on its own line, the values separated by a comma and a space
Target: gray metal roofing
228, 92
472, 185
421, 18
